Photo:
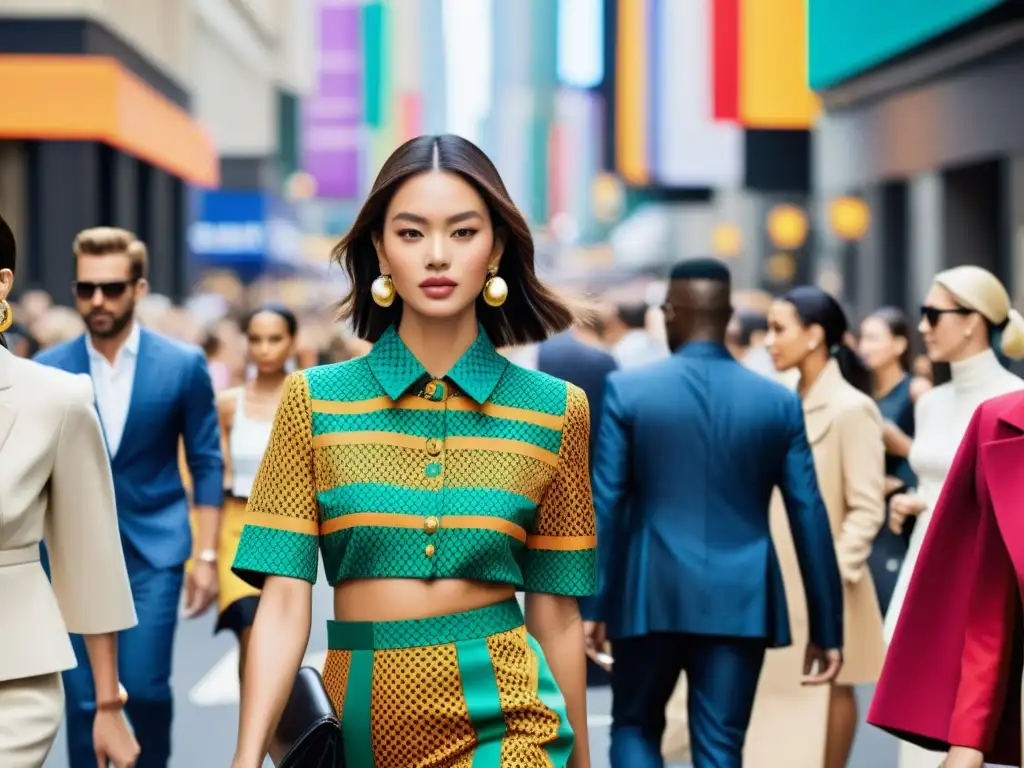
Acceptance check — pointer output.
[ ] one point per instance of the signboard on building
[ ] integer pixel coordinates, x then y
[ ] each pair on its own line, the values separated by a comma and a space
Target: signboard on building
250, 233
332, 115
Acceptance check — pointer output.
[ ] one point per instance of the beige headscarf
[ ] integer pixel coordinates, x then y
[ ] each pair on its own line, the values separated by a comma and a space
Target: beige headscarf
979, 290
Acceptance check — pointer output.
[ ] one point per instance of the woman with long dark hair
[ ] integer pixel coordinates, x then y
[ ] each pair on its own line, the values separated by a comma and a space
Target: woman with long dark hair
437, 479
807, 331
55, 485
246, 416
885, 348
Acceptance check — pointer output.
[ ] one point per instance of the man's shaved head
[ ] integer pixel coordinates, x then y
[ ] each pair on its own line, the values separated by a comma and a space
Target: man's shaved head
699, 303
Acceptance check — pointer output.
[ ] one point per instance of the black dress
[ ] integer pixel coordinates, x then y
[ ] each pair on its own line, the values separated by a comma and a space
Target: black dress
890, 549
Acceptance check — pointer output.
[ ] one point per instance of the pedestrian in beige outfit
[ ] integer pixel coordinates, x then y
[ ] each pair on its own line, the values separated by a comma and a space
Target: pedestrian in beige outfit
55, 484
792, 726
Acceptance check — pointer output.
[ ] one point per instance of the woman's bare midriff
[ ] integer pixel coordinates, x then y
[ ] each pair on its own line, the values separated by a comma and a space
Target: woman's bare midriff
396, 599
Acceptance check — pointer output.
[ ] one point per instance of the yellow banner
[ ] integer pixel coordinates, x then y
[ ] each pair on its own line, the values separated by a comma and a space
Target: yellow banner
631, 92
774, 87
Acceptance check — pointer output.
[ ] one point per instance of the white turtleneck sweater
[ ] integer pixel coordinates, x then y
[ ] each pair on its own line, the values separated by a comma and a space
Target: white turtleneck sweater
941, 417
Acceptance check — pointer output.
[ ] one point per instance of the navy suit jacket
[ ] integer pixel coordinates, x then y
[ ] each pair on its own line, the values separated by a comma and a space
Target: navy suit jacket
689, 453
566, 357
172, 398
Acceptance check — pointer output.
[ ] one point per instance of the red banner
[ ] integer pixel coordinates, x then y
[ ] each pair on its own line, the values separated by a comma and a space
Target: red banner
725, 24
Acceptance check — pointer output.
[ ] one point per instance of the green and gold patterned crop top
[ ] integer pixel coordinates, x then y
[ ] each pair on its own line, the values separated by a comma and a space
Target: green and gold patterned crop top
481, 475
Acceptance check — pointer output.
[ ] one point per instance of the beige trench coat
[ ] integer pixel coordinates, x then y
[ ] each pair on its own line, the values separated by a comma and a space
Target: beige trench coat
844, 428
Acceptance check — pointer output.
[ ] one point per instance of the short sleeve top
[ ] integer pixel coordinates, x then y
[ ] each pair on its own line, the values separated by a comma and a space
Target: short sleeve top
388, 473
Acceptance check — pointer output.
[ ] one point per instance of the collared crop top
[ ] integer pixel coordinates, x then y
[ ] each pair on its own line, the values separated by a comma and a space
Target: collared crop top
481, 475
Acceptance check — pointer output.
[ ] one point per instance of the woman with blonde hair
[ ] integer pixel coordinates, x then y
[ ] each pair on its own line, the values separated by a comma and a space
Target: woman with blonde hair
965, 319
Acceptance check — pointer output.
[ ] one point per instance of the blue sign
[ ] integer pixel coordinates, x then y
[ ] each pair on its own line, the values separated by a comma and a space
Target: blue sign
252, 233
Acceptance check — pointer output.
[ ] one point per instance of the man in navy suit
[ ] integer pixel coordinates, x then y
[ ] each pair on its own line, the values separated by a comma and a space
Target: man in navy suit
151, 393
689, 453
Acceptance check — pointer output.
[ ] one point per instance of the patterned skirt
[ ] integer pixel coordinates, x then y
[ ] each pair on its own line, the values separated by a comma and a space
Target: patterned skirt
467, 690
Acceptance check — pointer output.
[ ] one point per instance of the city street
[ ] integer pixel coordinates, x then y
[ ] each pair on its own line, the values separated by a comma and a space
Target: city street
207, 694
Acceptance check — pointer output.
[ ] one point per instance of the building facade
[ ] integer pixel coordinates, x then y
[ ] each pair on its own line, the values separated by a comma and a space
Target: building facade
116, 111
922, 121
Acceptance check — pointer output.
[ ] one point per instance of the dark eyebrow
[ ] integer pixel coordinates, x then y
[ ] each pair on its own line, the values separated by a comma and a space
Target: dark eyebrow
458, 218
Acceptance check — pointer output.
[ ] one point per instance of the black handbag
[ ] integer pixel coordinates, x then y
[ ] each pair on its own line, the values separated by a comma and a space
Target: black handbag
309, 734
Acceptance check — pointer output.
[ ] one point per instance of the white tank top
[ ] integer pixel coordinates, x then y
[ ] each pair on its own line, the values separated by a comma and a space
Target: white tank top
247, 444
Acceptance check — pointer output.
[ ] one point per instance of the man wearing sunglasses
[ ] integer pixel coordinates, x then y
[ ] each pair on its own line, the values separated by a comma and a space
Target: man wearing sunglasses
152, 393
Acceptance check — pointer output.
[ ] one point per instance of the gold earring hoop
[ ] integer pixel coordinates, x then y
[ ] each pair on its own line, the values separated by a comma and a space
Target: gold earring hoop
383, 291
6, 316
495, 289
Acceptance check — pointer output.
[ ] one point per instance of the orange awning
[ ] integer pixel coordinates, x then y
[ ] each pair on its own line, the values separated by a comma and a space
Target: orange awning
94, 98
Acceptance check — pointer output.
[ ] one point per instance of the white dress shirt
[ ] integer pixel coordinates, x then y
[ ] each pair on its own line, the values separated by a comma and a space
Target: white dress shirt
114, 385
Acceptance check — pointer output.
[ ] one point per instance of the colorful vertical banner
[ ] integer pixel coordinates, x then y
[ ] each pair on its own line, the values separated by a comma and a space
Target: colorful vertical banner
408, 38
693, 149
774, 87
725, 22
631, 91
332, 114
378, 83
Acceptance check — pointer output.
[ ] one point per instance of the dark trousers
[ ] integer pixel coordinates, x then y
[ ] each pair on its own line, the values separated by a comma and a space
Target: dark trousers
721, 675
144, 656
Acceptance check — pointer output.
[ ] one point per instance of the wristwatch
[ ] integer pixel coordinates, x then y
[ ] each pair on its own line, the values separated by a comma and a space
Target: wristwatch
114, 704
207, 556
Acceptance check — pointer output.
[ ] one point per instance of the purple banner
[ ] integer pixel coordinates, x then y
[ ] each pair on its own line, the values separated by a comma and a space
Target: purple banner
332, 115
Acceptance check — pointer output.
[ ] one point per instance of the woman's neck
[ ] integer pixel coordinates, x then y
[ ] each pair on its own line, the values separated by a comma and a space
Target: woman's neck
438, 343
887, 378
269, 382
810, 369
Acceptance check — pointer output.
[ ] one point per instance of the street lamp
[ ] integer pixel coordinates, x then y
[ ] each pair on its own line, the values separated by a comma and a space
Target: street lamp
788, 228
849, 218
726, 241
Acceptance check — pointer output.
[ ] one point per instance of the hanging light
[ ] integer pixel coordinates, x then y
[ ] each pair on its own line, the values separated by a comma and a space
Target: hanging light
787, 227
849, 218
726, 240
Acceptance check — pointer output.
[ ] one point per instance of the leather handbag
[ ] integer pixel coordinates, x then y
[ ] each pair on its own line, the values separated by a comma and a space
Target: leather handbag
309, 733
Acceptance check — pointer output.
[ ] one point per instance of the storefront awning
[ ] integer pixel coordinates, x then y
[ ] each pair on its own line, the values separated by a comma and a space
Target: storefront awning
94, 98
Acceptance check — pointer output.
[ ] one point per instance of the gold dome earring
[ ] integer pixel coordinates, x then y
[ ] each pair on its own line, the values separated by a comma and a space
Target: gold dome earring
495, 289
383, 291
6, 316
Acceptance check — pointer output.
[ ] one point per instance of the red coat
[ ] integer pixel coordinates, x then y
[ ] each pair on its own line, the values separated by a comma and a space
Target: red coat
952, 674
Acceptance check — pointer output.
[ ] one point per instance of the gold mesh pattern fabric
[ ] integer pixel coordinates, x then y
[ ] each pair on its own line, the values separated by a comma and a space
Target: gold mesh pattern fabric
420, 719
568, 506
364, 463
285, 483
335, 675
522, 475
529, 724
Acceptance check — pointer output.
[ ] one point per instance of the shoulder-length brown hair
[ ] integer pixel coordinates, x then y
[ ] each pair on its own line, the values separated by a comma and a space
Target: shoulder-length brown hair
532, 311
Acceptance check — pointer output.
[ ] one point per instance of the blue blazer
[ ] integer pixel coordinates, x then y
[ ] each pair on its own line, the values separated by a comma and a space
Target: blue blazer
172, 398
689, 453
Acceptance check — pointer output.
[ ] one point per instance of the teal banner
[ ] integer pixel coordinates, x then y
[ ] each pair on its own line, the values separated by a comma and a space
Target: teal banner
849, 37
375, 27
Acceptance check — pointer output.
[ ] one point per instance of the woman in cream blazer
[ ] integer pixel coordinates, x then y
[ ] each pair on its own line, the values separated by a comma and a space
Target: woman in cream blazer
55, 484
792, 725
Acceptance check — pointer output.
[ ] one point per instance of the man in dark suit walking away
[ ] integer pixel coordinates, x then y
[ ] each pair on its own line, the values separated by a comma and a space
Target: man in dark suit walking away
689, 452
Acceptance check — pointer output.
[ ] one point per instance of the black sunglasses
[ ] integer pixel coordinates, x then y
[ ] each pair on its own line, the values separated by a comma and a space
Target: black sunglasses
86, 290
934, 314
